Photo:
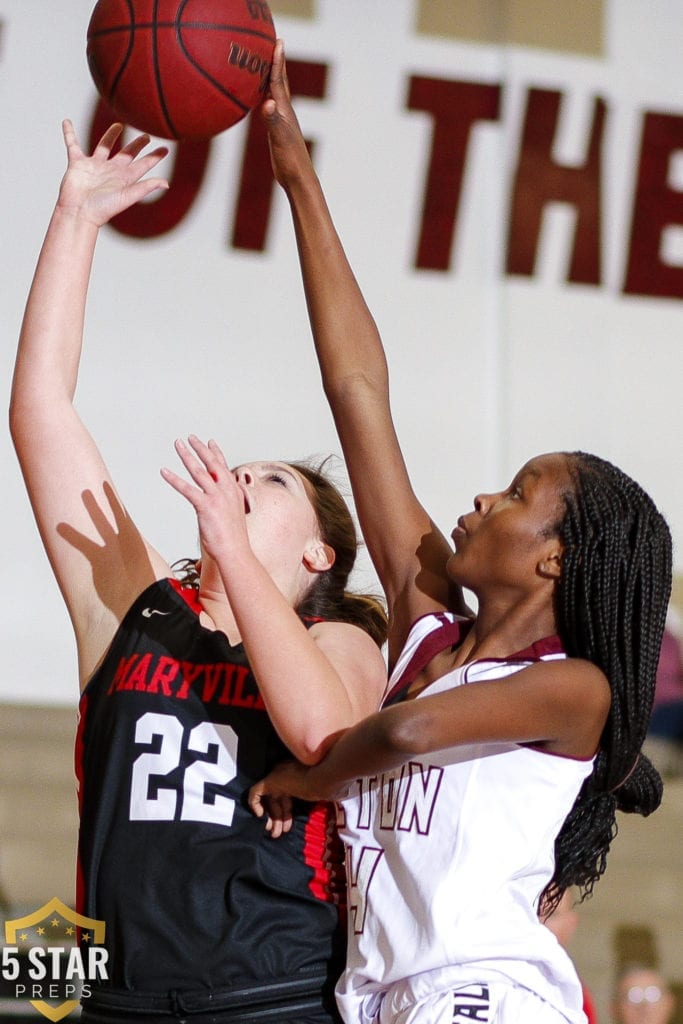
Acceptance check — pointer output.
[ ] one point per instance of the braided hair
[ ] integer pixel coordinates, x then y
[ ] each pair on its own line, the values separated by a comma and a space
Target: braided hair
611, 603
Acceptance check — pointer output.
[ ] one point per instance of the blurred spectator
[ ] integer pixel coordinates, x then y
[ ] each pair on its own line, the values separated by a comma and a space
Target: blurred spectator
563, 922
642, 996
665, 736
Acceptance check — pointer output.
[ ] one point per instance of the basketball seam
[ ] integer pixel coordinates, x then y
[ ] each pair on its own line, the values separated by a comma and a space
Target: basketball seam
217, 85
157, 74
131, 42
216, 27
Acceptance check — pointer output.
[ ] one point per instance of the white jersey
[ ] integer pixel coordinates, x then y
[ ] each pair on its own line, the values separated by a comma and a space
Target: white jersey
447, 856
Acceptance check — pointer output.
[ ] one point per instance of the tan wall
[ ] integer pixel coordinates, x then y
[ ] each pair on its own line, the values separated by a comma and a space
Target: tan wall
639, 900
38, 806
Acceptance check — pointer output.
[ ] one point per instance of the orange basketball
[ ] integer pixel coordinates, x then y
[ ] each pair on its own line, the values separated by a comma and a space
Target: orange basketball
181, 69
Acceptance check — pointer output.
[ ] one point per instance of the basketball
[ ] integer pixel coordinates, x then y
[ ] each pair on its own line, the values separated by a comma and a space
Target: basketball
181, 69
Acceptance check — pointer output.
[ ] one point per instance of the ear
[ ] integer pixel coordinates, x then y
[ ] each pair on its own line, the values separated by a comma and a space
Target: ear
550, 566
319, 557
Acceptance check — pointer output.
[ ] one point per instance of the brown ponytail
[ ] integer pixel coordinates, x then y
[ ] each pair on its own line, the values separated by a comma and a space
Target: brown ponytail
328, 597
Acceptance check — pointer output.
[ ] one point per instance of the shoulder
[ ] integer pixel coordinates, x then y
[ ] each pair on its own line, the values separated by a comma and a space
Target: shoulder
356, 657
580, 696
567, 680
345, 636
571, 671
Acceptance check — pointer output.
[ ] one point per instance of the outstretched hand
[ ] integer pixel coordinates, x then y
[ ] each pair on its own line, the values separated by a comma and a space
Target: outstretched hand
288, 151
214, 493
102, 185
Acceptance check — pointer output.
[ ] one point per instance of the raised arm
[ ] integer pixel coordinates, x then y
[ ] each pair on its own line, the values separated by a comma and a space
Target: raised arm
99, 559
407, 549
315, 682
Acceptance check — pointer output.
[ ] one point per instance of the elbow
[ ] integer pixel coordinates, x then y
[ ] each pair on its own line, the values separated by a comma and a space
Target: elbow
14, 417
22, 428
404, 731
355, 387
311, 749
309, 754
24, 411
17, 422
311, 758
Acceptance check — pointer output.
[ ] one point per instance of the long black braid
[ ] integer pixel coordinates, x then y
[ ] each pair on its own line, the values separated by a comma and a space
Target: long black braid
611, 604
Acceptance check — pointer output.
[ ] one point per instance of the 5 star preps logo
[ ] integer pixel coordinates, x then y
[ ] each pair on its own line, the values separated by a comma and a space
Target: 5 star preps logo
51, 957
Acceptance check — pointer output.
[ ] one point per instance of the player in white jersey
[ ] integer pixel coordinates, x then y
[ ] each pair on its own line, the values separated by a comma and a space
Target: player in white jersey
420, 839
497, 788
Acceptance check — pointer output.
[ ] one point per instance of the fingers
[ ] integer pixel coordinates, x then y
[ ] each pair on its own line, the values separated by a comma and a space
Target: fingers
255, 800
205, 464
280, 821
135, 146
199, 474
209, 458
145, 188
279, 98
278, 71
108, 140
69, 133
278, 810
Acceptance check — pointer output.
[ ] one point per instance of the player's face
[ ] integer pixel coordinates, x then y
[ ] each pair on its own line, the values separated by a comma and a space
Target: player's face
507, 537
281, 521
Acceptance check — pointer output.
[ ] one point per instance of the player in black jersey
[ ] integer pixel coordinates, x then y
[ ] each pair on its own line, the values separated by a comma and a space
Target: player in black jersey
191, 693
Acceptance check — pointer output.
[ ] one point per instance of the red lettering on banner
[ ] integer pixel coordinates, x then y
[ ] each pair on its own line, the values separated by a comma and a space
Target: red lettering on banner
541, 180
455, 108
256, 187
656, 207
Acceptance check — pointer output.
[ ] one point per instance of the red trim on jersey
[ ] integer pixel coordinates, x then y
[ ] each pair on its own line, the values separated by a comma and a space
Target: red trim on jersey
324, 855
190, 595
538, 649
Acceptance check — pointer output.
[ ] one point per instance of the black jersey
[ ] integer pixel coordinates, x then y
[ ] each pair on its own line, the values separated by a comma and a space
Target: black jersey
196, 896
